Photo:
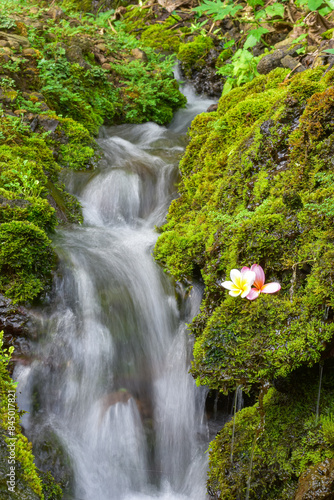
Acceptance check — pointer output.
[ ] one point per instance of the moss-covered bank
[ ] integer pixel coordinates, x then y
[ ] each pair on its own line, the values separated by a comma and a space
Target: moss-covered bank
257, 187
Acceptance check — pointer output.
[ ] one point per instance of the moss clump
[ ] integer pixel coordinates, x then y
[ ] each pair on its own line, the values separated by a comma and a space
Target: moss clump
192, 54
160, 36
256, 188
25, 260
284, 436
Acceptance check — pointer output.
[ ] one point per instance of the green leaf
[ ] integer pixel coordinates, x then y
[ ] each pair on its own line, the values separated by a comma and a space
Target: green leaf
254, 37
254, 3
330, 51
314, 4
276, 9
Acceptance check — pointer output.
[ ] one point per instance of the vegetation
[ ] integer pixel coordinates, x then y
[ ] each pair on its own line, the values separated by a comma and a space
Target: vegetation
256, 187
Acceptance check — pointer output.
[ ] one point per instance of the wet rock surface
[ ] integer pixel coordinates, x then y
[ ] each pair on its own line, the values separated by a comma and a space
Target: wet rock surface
317, 483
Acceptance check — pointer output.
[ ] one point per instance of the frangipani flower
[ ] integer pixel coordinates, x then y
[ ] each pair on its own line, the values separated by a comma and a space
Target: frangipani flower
241, 283
259, 281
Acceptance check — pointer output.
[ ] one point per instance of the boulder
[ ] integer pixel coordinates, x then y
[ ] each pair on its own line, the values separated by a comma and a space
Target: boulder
270, 62
21, 40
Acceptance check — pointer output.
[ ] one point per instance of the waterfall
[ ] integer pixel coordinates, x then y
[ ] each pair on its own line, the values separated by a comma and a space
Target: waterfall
110, 371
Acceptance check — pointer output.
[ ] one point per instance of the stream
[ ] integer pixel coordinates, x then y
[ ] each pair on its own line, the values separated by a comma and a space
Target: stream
109, 381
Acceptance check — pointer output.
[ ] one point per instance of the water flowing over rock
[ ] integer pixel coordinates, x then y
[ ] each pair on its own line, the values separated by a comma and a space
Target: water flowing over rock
111, 376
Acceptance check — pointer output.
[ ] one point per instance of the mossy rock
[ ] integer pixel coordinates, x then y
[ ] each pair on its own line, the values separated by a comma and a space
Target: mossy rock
284, 436
26, 260
257, 187
192, 54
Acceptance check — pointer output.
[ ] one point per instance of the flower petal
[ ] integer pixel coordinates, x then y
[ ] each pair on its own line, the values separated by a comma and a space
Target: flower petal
260, 276
248, 278
234, 293
227, 284
235, 276
245, 292
244, 269
253, 294
271, 288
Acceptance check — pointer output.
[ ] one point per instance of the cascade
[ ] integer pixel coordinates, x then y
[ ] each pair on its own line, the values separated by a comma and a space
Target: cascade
110, 371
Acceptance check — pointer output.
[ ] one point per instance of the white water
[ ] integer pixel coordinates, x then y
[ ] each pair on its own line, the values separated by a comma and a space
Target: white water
111, 368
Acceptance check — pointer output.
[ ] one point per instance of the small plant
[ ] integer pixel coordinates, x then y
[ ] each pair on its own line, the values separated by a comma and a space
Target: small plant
7, 83
327, 422
5, 354
242, 69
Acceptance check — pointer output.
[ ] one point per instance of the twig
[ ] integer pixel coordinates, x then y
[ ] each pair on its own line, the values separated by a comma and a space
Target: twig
111, 26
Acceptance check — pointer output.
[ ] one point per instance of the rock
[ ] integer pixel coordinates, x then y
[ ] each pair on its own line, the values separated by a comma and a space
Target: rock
101, 46
212, 108
14, 320
5, 51
106, 66
29, 52
14, 45
317, 483
34, 10
4, 43
55, 13
74, 54
270, 62
139, 54
291, 63
47, 123
321, 60
21, 40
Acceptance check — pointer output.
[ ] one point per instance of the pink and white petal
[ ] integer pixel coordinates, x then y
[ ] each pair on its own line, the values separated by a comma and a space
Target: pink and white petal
227, 284
248, 277
253, 294
271, 288
244, 269
260, 276
235, 276
245, 292
234, 293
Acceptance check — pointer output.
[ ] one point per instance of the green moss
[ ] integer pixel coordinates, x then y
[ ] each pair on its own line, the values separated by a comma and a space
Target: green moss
25, 260
286, 440
223, 56
257, 188
192, 54
160, 36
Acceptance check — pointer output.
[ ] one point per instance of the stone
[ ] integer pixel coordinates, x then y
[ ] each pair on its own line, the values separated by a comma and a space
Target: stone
21, 40
4, 43
139, 54
106, 66
212, 108
317, 483
14, 45
5, 50
291, 63
55, 13
101, 46
270, 62
34, 10
47, 123
74, 55
29, 52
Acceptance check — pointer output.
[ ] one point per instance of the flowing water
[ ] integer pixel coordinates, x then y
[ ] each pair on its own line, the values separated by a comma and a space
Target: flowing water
109, 380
